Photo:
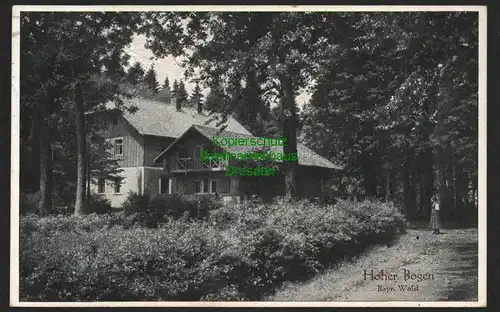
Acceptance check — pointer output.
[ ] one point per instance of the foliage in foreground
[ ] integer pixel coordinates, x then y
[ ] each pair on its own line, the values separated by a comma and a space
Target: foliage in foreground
153, 212
239, 253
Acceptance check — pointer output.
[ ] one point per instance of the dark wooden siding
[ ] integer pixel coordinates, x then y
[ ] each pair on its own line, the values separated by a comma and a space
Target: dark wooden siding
133, 142
153, 146
312, 181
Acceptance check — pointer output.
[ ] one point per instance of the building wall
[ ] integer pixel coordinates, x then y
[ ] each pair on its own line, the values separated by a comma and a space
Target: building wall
311, 181
152, 180
266, 187
137, 179
153, 146
133, 142
189, 143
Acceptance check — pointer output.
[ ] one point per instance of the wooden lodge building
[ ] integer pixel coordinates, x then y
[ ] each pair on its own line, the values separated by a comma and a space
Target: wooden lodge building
158, 150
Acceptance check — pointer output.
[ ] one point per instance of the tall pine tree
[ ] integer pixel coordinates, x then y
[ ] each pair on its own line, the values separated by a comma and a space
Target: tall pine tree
135, 74
197, 98
285, 48
216, 97
164, 95
151, 81
251, 110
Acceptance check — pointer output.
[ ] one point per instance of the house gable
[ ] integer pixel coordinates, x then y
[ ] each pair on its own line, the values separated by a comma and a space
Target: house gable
306, 157
187, 146
154, 145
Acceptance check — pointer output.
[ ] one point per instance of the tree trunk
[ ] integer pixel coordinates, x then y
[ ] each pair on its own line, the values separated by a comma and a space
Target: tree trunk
80, 207
421, 193
369, 175
426, 181
45, 203
88, 173
388, 186
413, 187
475, 199
464, 187
36, 129
441, 180
290, 134
425, 161
88, 160
457, 182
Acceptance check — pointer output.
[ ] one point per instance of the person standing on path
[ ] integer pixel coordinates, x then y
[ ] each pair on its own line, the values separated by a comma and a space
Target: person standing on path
435, 223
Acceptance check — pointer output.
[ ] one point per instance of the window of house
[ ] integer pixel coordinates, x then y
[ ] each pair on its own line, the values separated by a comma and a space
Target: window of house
205, 185
101, 185
164, 185
213, 186
198, 186
118, 186
115, 120
118, 147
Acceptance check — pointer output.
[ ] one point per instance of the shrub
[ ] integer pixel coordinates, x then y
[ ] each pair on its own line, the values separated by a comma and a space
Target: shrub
177, 206
136, 203
240, 252
178, 262
203, 204
98, 204
173, 205
28, 202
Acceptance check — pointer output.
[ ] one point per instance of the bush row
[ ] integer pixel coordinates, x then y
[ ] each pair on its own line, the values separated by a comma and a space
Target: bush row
96, 204
152, 212
239, 252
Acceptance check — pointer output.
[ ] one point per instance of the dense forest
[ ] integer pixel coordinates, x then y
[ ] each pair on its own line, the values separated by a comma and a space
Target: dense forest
393, 95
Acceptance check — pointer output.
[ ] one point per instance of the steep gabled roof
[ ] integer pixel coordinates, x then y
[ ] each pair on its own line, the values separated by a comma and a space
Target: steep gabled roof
161, 119
306, 157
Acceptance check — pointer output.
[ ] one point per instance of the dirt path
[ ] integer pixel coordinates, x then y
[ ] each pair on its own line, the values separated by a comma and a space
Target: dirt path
446, 263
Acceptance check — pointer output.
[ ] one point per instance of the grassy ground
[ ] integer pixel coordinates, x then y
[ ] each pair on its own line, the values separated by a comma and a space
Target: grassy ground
451, 257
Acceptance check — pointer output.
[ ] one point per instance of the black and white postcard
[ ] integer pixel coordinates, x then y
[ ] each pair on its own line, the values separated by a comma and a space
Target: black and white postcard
248, 156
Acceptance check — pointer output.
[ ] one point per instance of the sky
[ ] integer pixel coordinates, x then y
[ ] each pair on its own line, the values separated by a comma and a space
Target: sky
170, 67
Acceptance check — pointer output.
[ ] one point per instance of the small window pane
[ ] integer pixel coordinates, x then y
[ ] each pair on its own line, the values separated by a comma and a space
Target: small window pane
101, 185
197, 151
182, 153
118, 146
205, 185
118, 186
164, 183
